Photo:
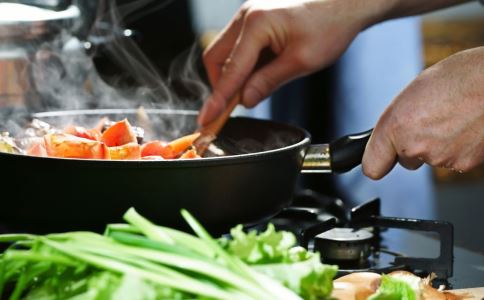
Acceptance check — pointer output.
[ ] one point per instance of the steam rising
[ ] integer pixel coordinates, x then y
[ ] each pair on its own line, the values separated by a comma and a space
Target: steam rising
64, 76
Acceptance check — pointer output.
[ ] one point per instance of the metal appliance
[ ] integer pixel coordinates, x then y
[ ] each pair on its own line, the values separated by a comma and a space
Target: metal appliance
32, 32
361, 239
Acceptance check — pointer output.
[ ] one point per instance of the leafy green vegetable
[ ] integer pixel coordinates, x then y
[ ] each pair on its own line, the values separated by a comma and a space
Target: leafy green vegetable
270, 246
393, 289
144, 261
274, 253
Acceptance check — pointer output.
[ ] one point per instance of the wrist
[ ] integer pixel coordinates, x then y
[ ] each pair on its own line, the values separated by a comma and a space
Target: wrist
377, 11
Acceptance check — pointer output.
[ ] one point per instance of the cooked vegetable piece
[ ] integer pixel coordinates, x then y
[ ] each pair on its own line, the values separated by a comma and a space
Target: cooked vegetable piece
7, 144
116, 141
190, 154
152, 157
176, 147
153, 148
121, 133
129, 151
90, 134
69, 146
38, 150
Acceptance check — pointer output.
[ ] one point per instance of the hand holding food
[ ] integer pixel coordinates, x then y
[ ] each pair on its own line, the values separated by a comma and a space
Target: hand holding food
438, 119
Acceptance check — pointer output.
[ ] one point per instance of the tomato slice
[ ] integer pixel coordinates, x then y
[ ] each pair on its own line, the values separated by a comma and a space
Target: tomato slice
37, 150
153, 148
70, 146
125, 152
90, 134
121, 133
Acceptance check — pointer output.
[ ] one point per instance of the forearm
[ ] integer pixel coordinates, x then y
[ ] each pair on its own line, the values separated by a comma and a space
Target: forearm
382, 10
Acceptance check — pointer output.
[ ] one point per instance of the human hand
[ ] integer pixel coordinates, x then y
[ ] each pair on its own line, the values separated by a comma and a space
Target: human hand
438, 119
303, 36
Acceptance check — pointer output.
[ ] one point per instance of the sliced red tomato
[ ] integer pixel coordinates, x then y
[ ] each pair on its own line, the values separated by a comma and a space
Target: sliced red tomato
153, 148
37, 150
90, 134
121, 133
190, 154
70, 146
125, 152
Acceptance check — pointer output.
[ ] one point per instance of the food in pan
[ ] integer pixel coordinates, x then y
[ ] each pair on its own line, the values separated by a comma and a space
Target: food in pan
108, 140
141, 260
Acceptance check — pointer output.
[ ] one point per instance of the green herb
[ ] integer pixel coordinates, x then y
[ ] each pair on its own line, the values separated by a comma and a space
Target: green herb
141, 260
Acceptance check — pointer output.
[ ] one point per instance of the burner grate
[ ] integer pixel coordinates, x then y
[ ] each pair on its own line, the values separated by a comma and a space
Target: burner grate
311, 222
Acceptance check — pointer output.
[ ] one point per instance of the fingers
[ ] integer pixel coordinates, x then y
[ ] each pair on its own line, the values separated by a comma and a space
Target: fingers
219, 50
236, 68
267, 79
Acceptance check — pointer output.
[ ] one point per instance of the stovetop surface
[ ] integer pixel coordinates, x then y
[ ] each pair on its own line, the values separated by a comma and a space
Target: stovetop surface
468, 265
426, 245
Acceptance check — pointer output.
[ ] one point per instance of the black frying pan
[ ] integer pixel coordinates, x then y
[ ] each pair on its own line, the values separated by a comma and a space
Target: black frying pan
256, 182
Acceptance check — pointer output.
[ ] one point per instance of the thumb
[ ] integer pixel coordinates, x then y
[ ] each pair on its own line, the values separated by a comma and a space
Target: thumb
380, 155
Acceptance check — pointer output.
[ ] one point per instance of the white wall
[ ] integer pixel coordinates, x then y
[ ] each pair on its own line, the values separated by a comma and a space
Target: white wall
211, 15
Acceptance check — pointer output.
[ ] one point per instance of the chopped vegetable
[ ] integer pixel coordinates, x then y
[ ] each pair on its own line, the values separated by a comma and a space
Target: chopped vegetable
125, 152
38, 150
69, 146
190, 154
90, 134
274, 253
119, 134
153, 148
392, 288
7, 144
107, 140
175, 148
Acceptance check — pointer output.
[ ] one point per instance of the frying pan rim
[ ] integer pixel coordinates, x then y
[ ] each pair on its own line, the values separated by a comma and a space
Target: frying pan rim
229, 159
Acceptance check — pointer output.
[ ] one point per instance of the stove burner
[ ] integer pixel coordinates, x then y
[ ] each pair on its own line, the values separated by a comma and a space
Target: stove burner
383, 261
344, 245
354, 242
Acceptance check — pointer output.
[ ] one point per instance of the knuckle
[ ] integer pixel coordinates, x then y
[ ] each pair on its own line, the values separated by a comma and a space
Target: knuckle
231, 69
264, 84
464, 165
254, 17
303, 59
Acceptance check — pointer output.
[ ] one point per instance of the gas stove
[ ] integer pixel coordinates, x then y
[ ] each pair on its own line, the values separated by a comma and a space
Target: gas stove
361, 239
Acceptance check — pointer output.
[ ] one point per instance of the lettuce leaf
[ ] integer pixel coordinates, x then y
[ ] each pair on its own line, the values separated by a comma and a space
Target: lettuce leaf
310, 278
270, 246
274, 254
394, 289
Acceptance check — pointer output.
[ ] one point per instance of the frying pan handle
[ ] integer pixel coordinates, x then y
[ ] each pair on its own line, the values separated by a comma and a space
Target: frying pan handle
347, 152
